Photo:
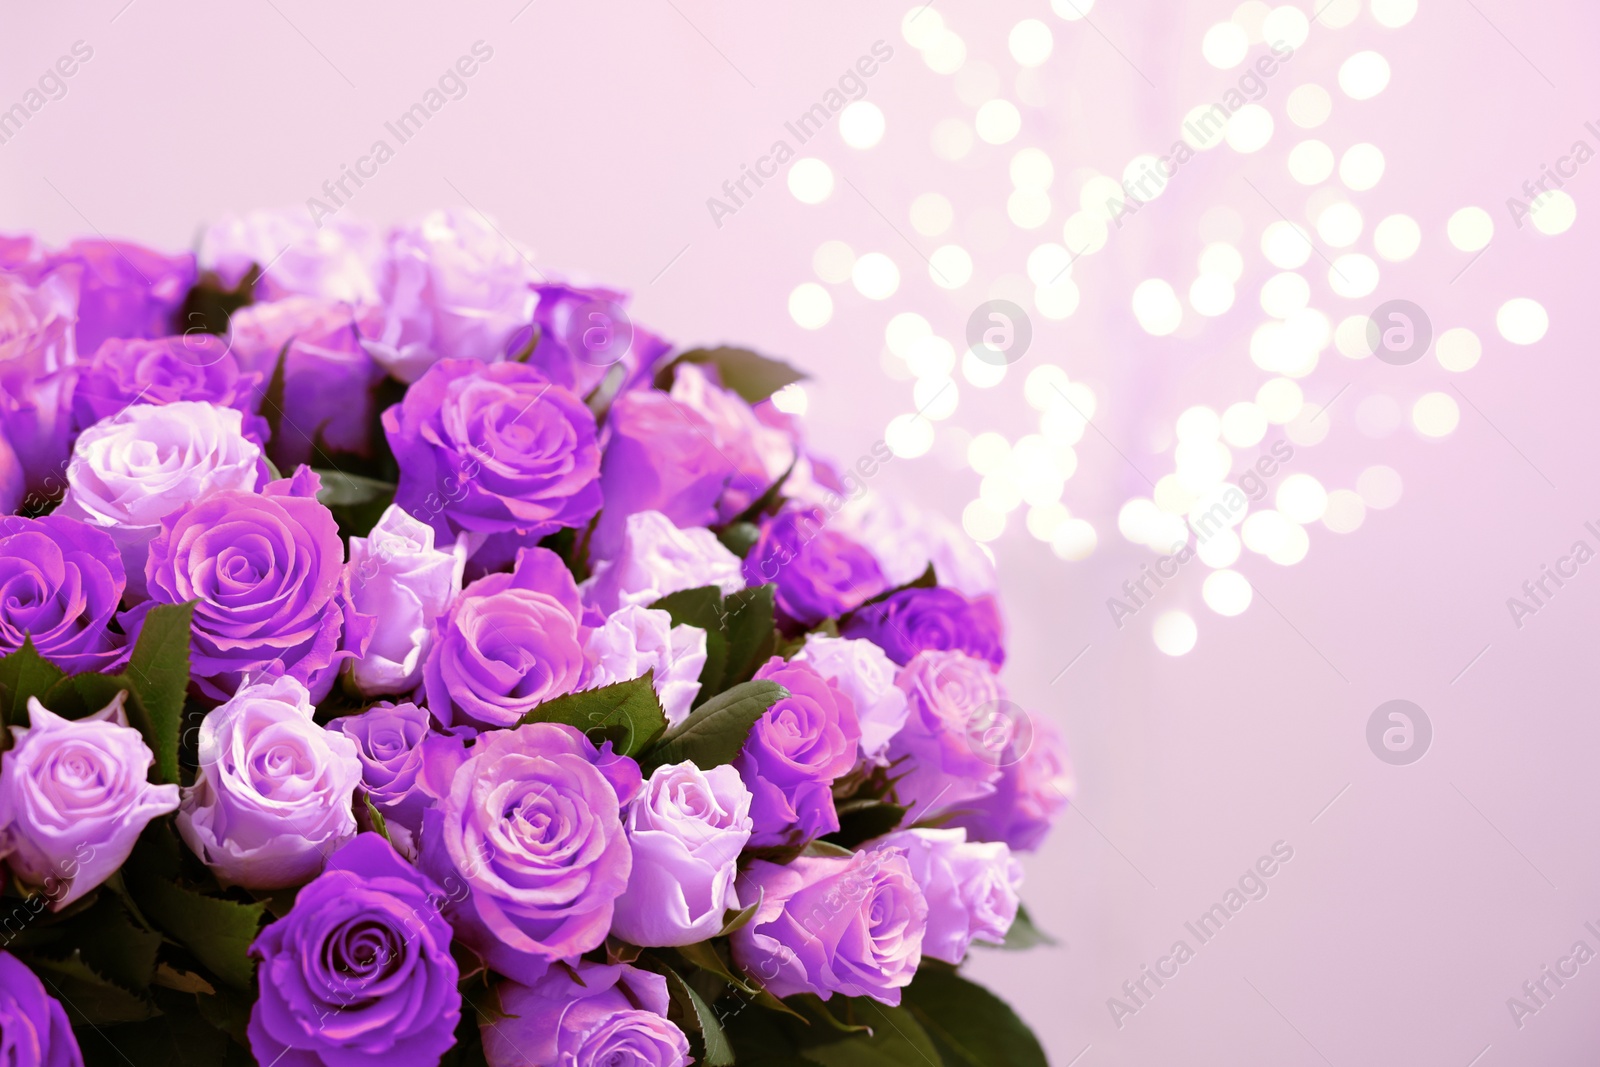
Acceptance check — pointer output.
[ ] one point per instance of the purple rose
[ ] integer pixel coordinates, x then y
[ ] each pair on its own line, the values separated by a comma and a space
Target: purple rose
867, 676
947, 762
696, 454
820, 573
971, 888
130, 471
388, 740
911, 620
491, 449
509, 643
60, 584
328, 378
274, 792
586, 1015
906, 539
400, 579
271, 590
196, 366
13, 481
332, 258
1034, 788
73, 799
452, 287
794, 753
37, 355
34, 1031
635, 640
686, 829
581, 337
124, 290
833, 924
359, 972
657, 558
529, 845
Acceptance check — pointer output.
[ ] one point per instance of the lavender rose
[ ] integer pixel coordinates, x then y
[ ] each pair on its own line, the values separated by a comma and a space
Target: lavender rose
906, 539
697, 454
34, 1031
124, 289
73, 799
529, 845
971, 888
580, 337
820, 573
13, 481
912, 620
509, 643
359, 971
794, 753
866, 675
271, 590
400, 579
833, 924
60, 583
451, 289
494, 450
134, 469
328, 377
332, 258
686, 829
196, 366
586, 1015
657, 558
946, 764
1035, 786
636, 640
389, 743
37, 354
273, 796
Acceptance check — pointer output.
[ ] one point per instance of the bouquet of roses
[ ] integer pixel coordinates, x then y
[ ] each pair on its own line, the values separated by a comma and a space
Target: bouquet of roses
407, 659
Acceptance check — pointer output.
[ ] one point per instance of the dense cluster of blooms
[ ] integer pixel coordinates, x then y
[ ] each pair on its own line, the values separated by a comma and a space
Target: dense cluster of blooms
404, 658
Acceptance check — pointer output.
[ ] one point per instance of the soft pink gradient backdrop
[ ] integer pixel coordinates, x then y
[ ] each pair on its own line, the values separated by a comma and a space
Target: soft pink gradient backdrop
1421, 899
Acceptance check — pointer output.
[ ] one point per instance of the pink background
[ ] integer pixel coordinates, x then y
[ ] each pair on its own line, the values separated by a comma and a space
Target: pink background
1425, 895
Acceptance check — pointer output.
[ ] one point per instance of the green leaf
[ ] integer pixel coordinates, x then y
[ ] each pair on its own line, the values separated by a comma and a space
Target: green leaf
896, 1041
747, 620
926, 580
380, 825
970, 1025
698, 1014
628, 714
159, 672
219, 932
754, 377
862, 820
1023, 934
110, 944
768, 501
357, 502
740, 537
702, 607
210, 304
820, 847
89, 997
714, 732
23, 674
733, 921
